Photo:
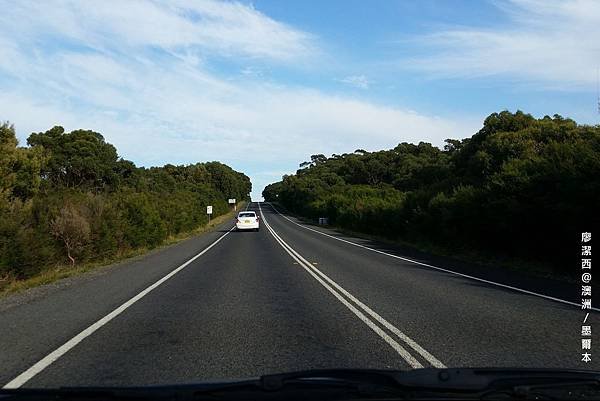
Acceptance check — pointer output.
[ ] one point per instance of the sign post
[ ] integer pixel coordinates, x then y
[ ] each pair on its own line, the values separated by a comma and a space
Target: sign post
231, 201
208, 212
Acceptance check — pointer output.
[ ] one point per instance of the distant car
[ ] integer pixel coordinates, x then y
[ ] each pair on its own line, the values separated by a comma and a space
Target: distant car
247, 221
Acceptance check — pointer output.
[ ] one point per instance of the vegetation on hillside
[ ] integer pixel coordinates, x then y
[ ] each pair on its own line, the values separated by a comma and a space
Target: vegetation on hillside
520, 188
69, 198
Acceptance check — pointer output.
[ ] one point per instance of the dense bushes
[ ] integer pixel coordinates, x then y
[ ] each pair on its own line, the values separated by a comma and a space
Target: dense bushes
69, 198
520, 187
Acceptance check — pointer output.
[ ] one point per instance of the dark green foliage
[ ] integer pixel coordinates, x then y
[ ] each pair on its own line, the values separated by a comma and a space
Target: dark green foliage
70, 193
79, 159
520, 187
144, 227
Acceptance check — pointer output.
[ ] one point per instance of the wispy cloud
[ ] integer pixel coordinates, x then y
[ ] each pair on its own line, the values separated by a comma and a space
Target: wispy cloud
553, 43
158, 98
358, 81
229, 28
251, 71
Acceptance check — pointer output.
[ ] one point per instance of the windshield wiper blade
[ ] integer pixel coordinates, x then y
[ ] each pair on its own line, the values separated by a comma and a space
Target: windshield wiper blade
486, 383
489, 383
324, 381
330, 377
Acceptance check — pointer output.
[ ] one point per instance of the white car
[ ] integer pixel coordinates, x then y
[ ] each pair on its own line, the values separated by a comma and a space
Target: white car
247, 221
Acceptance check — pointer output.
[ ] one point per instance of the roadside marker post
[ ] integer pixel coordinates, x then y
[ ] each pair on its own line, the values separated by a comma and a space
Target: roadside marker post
208, 212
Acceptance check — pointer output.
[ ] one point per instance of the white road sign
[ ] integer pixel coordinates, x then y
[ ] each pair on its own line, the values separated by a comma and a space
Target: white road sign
208, 209
231, 201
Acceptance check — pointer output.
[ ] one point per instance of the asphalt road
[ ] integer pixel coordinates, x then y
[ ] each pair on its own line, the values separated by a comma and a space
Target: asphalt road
282, 299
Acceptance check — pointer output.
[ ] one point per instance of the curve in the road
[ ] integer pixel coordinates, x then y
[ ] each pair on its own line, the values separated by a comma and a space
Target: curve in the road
509, 287
350, 303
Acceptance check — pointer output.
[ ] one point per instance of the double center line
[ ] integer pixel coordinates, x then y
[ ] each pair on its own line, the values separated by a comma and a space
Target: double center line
373, 320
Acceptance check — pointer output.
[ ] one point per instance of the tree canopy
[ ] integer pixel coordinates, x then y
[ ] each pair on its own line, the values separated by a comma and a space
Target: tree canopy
520, 187
68, 197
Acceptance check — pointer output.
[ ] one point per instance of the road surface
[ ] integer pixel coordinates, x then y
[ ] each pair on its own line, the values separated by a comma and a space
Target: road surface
237, 304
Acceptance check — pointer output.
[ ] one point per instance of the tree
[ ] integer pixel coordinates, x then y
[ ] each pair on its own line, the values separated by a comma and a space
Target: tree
71, 189
70, 227
8, 156
517, 186
79, 159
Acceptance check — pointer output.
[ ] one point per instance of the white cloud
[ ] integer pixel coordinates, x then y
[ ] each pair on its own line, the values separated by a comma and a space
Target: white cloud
549, 42
229, 28
251, 71
358, 81
254, 128
172, 108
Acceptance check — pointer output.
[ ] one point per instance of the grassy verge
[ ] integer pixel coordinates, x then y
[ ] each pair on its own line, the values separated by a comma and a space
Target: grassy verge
460, 255
13, 285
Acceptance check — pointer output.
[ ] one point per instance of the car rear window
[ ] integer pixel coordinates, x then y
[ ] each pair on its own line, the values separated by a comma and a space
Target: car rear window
249, 214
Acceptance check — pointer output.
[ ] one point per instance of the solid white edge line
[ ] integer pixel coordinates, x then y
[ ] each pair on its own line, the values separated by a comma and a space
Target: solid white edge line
434, 267
394, 344
66, 347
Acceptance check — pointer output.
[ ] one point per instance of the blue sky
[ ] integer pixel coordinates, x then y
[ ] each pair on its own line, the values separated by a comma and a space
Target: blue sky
262, 85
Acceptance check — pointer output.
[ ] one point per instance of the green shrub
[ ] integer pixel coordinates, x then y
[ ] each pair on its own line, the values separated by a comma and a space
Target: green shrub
520, 187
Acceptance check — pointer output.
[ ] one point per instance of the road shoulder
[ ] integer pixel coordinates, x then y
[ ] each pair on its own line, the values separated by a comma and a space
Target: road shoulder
30, 290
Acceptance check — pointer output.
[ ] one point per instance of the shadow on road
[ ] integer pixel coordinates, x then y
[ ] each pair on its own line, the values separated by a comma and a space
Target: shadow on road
521, 279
